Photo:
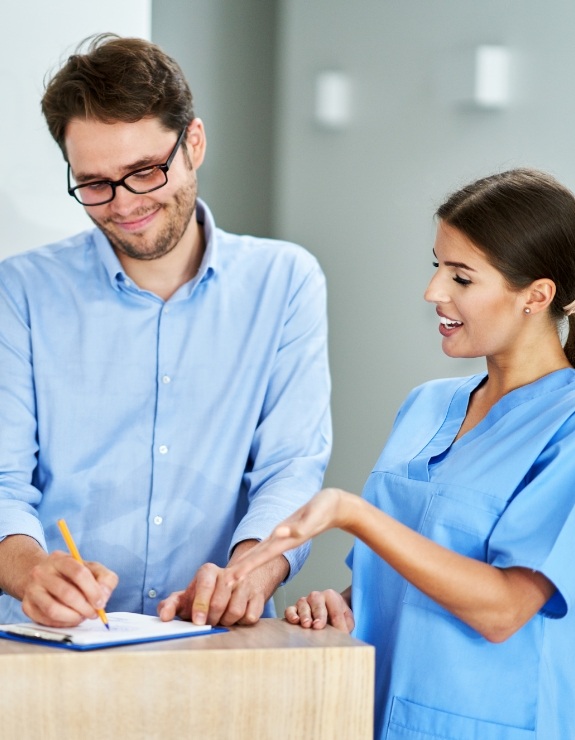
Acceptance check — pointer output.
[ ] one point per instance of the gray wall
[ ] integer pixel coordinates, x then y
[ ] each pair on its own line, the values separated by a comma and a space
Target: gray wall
228, 51
372, 189
362, 199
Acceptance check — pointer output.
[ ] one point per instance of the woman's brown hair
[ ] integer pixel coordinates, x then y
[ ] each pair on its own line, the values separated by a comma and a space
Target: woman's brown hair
523, 220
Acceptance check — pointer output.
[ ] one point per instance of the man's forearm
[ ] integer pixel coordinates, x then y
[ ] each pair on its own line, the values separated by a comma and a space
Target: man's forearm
18, 555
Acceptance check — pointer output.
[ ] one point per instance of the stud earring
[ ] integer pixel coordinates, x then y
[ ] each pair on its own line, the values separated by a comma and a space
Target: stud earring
526, 310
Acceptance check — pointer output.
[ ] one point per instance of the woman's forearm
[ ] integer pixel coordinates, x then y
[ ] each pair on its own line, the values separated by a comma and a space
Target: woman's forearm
495, 602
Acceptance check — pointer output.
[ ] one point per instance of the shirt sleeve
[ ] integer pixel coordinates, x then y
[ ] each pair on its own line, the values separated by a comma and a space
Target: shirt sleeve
537, 529
292, 442
18, 438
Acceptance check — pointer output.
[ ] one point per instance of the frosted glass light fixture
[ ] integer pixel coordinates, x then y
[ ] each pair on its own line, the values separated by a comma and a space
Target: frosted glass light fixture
476, 77
333, 100
491, 76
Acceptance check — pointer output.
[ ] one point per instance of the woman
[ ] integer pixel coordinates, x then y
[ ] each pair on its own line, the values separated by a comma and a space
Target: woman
463, 566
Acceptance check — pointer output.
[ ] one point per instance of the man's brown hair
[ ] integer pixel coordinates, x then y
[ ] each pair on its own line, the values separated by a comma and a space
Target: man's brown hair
117, 79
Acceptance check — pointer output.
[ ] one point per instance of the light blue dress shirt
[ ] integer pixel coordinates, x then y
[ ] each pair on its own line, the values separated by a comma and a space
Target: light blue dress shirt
504, 493
164, 432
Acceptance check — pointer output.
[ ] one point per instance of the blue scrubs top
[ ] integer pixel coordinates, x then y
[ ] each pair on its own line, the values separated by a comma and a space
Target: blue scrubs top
504, 493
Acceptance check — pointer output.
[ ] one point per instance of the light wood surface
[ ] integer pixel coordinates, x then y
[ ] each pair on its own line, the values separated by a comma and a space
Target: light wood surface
272, 680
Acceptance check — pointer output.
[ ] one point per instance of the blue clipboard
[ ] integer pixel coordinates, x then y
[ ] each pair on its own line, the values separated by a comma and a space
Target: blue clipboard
143, 629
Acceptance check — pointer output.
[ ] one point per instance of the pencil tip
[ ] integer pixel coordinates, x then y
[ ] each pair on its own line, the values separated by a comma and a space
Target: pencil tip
107, 626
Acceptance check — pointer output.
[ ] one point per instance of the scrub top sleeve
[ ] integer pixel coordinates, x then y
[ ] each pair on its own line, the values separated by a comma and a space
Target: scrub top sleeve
537, 529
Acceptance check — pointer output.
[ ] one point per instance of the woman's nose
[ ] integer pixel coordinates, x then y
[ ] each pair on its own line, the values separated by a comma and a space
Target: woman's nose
435, 291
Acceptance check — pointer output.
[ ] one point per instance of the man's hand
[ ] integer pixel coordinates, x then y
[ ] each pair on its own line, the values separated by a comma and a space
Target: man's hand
63, 592
55, 589
211, 599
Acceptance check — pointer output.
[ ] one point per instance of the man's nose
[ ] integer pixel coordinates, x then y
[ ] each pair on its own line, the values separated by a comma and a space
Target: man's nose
124, 200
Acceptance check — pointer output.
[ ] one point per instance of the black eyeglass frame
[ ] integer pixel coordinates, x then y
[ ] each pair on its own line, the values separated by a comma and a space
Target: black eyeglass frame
122, 181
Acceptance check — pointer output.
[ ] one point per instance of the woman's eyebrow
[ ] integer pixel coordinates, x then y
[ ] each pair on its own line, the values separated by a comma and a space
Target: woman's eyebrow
459, 264
462, 265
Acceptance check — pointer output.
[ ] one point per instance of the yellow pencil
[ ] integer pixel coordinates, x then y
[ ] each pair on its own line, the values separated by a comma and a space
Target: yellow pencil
74, 552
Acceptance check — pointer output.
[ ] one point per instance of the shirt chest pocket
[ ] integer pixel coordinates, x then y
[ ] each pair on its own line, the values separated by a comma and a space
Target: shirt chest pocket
461, 521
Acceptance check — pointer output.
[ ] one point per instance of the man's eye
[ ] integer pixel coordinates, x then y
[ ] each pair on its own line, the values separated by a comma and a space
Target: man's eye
144, 174
96, 186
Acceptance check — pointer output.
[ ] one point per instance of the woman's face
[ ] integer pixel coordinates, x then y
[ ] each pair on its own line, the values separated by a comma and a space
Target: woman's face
479, 314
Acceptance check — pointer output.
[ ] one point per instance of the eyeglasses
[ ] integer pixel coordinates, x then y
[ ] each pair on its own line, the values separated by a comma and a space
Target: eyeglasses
140, 181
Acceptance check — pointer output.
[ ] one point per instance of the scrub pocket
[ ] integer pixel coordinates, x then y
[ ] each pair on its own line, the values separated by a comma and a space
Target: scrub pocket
462, 521
410, 721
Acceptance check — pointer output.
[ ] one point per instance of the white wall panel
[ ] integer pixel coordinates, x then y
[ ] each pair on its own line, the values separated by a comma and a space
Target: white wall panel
36, 36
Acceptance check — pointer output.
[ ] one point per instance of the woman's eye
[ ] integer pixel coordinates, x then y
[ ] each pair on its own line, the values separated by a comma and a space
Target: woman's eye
461, 281
435, 264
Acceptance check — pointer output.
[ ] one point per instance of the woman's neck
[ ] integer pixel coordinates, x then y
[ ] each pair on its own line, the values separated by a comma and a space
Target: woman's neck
507, 374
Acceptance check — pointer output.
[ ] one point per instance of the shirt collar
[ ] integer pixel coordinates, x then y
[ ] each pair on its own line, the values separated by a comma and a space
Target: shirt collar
208, 265
209, 262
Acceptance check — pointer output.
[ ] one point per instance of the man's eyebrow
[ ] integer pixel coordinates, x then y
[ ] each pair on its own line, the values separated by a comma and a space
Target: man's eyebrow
138, 164
461, 265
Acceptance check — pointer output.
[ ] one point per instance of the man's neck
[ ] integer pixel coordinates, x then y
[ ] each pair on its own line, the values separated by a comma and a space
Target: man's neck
165, 275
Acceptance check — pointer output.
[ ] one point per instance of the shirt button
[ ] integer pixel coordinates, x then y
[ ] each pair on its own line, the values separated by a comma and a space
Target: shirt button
152, 593
163, 449
158, 520
166, 379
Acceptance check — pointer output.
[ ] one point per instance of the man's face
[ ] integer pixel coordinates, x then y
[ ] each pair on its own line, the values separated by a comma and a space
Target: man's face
148, 226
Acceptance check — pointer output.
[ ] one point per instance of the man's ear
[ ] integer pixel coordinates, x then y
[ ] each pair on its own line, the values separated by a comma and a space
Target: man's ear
540, 295
196, 142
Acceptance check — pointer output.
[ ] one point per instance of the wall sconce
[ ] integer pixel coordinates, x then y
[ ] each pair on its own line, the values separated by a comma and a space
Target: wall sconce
333, 100
477, 78
491, 76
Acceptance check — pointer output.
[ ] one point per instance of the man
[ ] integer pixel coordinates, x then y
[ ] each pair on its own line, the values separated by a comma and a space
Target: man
163, 384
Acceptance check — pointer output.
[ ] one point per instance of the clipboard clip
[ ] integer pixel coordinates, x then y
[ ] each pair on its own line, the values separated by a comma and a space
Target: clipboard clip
39, 634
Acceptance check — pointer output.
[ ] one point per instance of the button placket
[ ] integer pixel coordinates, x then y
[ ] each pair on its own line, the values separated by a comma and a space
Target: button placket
154, 585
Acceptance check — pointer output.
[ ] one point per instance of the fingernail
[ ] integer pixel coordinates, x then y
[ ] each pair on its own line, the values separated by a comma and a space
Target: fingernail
199, 619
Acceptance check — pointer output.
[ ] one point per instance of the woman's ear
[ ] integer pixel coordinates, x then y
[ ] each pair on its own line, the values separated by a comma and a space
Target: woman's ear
540, 295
